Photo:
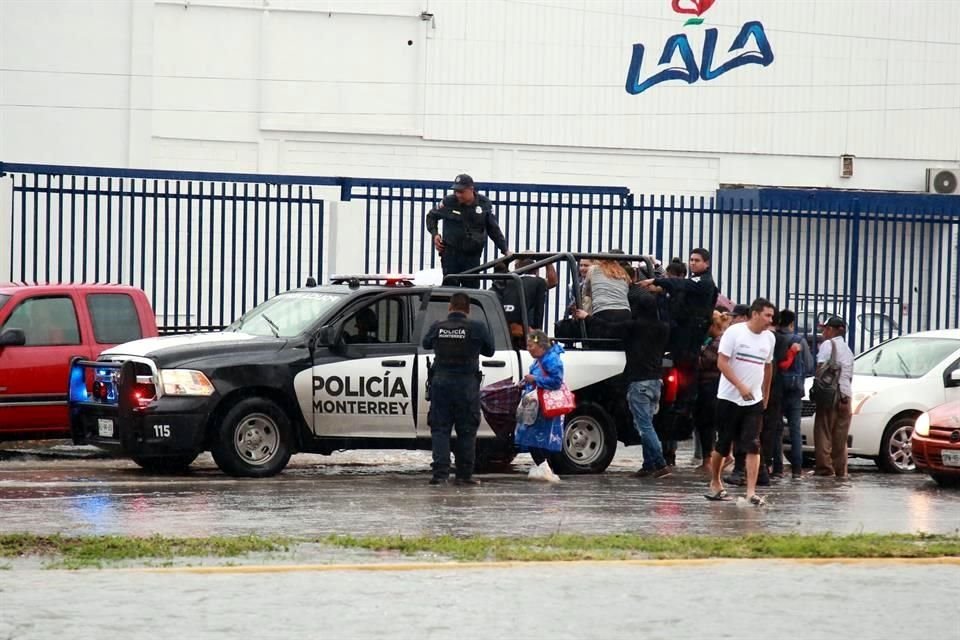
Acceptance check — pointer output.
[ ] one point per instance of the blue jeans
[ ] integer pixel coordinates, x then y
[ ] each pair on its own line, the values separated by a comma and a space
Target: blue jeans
791, 411
643, 397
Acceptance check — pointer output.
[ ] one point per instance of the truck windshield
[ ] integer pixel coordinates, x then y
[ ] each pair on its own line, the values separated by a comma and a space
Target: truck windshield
286, 315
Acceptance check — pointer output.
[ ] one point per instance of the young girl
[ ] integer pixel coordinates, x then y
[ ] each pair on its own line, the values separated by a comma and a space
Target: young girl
546, 434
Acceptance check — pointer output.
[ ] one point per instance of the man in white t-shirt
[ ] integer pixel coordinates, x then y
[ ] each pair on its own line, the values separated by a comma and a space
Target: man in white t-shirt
832, 424
745, 363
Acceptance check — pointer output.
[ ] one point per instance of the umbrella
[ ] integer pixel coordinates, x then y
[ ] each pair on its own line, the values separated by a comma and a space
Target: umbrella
499, 404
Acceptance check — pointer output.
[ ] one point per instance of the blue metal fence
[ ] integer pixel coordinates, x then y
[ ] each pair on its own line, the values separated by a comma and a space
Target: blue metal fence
204, 246
886, 262
208, 246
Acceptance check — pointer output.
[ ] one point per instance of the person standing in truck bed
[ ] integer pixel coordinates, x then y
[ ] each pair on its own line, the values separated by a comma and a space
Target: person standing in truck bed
468, 221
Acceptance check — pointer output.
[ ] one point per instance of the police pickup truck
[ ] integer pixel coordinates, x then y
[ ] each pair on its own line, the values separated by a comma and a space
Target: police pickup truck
317, 370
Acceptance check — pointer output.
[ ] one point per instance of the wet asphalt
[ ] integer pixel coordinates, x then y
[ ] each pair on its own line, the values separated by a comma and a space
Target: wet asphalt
386, 492
724, 600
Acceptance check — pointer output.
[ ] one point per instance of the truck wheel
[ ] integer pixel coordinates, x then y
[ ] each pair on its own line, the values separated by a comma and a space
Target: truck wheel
589, 441
896, 454
166, 464
253, 439
494, 454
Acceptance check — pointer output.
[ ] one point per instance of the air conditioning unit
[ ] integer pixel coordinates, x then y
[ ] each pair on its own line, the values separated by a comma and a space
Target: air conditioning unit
945, 181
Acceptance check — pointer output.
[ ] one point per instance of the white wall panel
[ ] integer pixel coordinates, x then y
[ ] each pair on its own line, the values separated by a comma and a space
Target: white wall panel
503, 81
848, 77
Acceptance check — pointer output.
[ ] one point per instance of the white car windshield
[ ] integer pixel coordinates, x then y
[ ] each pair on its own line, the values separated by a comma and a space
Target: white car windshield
876, 323
286, 315
905, 357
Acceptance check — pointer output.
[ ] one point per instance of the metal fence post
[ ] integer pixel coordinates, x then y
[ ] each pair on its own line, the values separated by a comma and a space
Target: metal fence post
853, 272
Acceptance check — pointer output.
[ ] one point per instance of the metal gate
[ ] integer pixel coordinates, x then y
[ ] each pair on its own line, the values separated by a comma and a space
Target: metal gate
205, 247
208, 246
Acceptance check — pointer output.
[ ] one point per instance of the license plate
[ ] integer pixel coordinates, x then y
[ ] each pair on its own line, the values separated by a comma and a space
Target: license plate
105, 427
951, 458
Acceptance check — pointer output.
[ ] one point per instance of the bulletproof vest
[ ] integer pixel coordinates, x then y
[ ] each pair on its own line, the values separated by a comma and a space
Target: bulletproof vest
454, 349
473, 231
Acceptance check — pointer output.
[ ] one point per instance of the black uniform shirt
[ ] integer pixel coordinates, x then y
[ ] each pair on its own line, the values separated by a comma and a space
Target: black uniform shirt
457, 343
466, 227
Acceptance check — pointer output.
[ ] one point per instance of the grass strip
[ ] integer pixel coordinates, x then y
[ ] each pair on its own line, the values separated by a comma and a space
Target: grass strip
94, 551
624, 546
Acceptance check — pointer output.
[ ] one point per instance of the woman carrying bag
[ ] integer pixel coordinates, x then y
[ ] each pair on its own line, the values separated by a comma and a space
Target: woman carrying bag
545, 434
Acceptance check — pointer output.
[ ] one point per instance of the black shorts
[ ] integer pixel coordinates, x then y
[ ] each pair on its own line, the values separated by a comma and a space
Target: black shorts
738, 425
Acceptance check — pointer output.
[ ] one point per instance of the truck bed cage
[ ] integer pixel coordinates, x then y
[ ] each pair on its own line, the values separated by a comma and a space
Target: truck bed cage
571, 259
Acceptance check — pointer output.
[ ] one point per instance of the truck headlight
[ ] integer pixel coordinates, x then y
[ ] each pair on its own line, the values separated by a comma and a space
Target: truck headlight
922, 426
860, 399
185, 382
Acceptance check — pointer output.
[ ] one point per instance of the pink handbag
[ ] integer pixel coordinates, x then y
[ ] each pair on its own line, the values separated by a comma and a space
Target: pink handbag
558, 402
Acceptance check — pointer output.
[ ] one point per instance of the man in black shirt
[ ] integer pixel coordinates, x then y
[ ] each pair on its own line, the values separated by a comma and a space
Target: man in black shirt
645, 340
468, 221
699, 297
457, 343
534, 294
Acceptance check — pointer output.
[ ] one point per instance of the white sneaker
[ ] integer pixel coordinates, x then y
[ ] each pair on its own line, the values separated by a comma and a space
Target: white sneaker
549, 475
535, 473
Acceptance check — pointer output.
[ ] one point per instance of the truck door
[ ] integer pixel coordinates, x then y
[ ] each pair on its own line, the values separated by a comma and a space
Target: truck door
503, 364
33, 377
366, 388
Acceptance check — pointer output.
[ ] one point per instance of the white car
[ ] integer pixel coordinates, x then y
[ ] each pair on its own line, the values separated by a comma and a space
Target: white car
893, 383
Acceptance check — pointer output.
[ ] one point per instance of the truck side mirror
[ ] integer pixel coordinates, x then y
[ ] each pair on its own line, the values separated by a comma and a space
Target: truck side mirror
13, 338
955, 376
331, 336
325, 337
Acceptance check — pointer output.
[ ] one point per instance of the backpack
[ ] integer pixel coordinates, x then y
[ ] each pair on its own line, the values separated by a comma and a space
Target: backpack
826, 383
792, 379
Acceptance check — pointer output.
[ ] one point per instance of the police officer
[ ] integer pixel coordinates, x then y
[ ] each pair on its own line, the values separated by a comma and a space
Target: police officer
691, 317
699, 297
457, 343
467, 222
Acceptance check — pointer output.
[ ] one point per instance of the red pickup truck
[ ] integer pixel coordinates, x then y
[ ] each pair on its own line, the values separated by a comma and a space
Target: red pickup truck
42, 328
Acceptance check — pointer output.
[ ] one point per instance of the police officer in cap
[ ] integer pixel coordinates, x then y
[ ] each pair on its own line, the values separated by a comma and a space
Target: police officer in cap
457, 343
467, 222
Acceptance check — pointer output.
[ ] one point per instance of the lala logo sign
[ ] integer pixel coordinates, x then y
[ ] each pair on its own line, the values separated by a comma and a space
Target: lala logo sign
690, 71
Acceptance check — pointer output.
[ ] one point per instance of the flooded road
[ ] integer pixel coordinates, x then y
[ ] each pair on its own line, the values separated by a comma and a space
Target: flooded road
369, 493
575, 601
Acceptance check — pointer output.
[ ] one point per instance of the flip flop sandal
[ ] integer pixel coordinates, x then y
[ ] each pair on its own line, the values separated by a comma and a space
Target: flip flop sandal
719, 496
757, 501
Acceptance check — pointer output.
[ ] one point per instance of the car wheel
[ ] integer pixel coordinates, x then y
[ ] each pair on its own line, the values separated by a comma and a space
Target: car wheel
896, 451
253, 439
589, 441
166, 464
494, 454
950, 482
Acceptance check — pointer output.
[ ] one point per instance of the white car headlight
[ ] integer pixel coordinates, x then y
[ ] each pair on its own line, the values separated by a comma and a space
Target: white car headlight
922, 426
860, 399
185, 382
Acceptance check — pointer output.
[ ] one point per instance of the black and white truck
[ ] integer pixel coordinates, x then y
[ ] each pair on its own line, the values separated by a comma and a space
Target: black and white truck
328, 368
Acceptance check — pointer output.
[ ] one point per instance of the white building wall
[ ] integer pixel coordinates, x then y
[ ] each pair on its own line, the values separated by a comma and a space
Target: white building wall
506, 89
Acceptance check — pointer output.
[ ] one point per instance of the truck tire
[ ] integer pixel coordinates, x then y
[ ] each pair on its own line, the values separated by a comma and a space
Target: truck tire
166, 464
253, 440
589, 441
895, 453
